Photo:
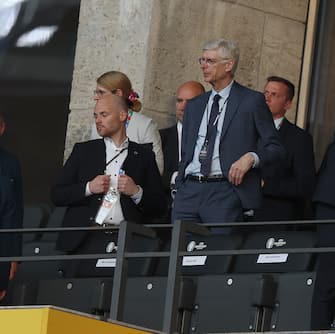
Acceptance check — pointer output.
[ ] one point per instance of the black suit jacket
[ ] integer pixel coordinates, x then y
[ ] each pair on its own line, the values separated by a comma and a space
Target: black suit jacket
325, 187
289, 184
247, 121
7, 212
169, 137
88, 160
11, 179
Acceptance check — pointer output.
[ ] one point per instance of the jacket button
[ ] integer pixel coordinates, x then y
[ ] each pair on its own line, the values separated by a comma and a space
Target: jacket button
91, 218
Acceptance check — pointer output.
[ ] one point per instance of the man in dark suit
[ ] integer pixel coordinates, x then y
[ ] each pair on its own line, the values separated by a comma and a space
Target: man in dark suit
107, 181
7, 211
171, 137
323, 301
11, 210
218, 175
288, 186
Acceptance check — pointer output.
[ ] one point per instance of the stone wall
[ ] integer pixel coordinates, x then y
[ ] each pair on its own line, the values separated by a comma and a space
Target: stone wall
157, 43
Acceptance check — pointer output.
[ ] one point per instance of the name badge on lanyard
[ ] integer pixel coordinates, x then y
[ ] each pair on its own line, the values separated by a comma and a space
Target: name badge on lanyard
107, 205
203, 151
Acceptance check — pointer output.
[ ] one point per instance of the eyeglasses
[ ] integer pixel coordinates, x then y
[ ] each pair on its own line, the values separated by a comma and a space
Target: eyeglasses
211, 62
100, 92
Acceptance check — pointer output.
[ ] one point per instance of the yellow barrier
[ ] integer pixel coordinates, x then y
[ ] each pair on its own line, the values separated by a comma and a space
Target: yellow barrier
53, 320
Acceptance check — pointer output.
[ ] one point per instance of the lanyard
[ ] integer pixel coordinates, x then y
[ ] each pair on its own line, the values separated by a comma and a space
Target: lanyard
211, 129
111, 160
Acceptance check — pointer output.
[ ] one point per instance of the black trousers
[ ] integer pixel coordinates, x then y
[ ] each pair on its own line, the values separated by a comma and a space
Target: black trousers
323, 301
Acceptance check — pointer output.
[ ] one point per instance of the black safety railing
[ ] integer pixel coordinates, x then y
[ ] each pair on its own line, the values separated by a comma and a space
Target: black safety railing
179, 231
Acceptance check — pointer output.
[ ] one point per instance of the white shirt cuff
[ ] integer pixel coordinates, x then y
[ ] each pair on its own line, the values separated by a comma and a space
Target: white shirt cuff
87, 190
138, 196
256, 158
173, 178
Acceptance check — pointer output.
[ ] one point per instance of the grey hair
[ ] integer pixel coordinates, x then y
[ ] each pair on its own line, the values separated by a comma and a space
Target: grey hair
227, 50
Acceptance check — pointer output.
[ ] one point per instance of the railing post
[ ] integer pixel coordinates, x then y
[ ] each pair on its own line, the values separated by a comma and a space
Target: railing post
126, 231
179, 231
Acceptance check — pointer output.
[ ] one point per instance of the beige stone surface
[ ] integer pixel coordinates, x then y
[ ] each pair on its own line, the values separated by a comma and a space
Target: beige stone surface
282, 51
292, 9
112, 35
79, 127
177, 41
157, 43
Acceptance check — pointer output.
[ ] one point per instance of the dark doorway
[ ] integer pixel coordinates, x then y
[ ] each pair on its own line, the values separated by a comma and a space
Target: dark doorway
37, 48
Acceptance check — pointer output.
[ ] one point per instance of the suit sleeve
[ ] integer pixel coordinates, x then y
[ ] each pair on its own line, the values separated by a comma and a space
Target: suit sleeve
8, 246
269, 149
153, 202
18, 213
324, 191
69, 190
300, 182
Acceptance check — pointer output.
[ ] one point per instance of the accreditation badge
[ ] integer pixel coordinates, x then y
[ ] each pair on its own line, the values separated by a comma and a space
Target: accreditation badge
107, 205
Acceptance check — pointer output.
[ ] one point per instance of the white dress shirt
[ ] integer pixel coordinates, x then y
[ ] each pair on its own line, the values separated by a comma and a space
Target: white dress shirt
113, 169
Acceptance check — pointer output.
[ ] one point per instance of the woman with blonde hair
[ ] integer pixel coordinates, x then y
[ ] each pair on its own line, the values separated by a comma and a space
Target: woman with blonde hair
140, 128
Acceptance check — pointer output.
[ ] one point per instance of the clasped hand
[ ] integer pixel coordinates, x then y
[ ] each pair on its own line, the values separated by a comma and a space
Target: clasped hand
126, 185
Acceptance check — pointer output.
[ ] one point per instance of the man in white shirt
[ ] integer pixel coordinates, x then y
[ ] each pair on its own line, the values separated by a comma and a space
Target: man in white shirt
218, 176
106, 181
171, 137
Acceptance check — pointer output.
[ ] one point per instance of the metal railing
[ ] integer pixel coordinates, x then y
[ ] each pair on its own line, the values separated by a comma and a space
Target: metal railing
179, 231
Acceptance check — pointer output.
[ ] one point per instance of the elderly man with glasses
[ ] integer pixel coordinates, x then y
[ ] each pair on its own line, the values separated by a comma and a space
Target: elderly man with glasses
218, 177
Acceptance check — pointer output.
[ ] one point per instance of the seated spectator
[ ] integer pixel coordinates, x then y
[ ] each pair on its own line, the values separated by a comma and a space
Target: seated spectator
140, 128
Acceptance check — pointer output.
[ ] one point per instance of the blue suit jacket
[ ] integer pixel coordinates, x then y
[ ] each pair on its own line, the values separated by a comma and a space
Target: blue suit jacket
247, 122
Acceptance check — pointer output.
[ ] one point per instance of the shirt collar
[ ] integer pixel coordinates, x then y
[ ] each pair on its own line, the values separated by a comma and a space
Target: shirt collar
224, 93
110, 142
278, 122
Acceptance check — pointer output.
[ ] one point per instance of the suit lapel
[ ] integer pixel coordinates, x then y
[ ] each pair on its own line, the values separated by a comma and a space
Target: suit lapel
100, 153
131, 158
234, 100
283, 128
175, 145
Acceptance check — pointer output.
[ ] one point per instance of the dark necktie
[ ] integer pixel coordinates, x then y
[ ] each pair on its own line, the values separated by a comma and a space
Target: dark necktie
206, 152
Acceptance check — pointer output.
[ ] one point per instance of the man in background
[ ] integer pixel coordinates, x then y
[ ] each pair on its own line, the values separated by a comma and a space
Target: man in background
11, 210
171, 137
323, 301
288, 186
